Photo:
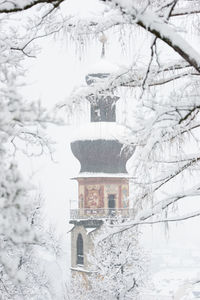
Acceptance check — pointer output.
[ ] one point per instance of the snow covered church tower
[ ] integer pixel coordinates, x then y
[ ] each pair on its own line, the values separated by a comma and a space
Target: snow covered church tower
103, 184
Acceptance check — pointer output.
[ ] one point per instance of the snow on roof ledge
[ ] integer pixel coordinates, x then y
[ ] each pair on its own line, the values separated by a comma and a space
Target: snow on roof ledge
80, 269
100, 131
90, 230
104, 67
102, 175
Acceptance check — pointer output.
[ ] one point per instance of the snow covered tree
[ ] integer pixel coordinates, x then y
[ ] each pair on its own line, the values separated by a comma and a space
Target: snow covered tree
16, 233
118, 266
22, 128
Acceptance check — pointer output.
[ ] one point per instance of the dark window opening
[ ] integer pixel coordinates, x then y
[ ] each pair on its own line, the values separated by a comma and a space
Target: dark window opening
111, 204
79, 249
104, 110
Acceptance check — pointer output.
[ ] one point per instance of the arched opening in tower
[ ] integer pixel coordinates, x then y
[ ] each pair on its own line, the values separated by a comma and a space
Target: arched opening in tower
79, 248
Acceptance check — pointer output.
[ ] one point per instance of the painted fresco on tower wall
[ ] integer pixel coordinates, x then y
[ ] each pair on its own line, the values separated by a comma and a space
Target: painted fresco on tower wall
125, 200
94, 196
81, 196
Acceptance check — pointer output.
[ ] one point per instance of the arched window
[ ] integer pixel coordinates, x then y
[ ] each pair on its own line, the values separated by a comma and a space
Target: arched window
79, 249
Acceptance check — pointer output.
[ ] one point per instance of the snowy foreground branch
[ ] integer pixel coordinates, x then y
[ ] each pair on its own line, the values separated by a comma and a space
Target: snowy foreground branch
22, 130
156, 25
118, 267
12, 7
153, 215
133, 77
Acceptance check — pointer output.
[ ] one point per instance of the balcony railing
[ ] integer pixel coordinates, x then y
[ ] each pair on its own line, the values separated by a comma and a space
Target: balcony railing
101, 213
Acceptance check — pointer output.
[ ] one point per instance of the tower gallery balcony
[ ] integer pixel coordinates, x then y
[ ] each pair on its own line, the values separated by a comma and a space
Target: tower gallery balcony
100, 213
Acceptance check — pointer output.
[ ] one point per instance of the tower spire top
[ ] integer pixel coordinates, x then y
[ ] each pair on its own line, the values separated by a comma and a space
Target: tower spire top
103, 40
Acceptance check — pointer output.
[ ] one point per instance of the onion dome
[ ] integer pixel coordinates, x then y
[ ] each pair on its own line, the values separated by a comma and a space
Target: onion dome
99, 150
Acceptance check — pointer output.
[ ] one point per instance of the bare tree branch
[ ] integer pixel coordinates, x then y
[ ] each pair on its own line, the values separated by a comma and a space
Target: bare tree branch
168, 220
185, 12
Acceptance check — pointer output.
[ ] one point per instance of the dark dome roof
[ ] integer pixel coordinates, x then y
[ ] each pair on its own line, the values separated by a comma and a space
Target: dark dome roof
101, 156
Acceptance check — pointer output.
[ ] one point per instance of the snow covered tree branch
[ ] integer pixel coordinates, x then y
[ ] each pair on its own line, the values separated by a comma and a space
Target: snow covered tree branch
116, 272
157, 26
12, 7
22, 128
